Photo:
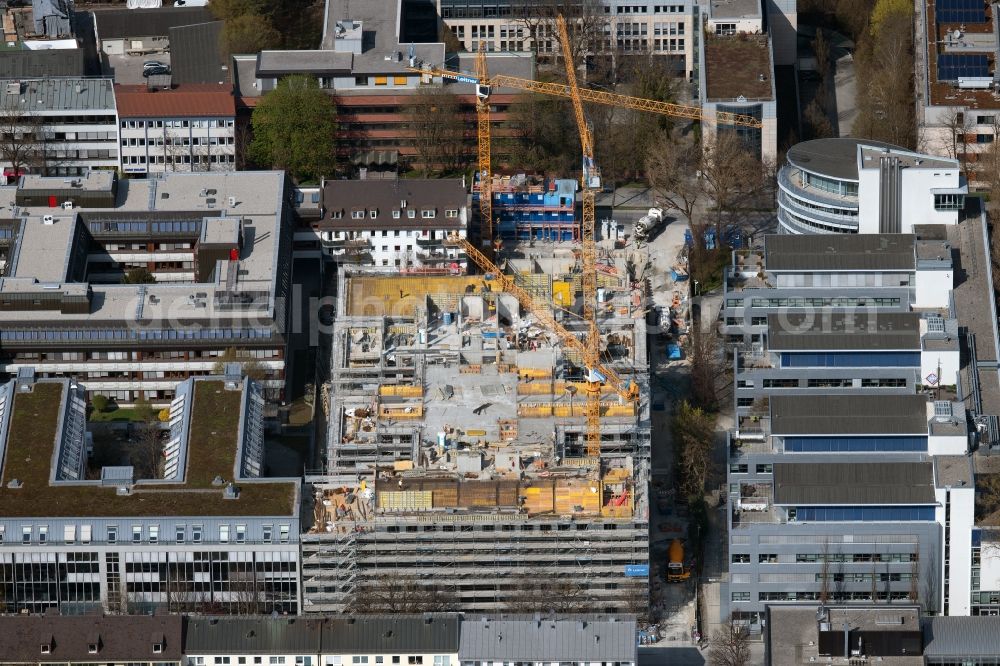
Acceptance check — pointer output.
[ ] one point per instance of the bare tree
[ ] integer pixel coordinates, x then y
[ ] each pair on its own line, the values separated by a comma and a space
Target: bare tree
20, 138
730, 646
732, 176
548, 595
824, 573
146, 450
671, 168
399, 594
585, 21
441, 131
914, 593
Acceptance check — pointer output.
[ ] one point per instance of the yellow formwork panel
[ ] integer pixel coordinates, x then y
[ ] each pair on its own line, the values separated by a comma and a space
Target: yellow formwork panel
577, 410
405, 500
401, 391
398, 413
562, 293
400, 295
534, 373
535, 388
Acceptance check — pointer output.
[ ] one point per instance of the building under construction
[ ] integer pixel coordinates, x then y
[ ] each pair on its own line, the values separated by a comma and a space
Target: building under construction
531, 208
456, 465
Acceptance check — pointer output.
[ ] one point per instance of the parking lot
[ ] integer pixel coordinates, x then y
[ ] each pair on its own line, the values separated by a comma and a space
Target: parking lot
128, 69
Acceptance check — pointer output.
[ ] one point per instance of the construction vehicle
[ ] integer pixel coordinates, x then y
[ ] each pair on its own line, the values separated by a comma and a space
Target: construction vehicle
648, 223
677, 571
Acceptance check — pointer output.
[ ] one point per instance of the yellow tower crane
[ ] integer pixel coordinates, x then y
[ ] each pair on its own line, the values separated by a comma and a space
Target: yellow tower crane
590, 351
590, 182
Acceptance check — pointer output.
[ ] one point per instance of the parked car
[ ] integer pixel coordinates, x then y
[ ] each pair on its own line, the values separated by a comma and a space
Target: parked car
153, 64
155, 71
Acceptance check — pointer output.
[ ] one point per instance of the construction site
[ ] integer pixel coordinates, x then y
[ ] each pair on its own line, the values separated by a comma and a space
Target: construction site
488, 436
457, 455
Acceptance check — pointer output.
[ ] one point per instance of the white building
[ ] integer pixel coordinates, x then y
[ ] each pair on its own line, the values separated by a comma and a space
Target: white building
73, 120
396, 223
852, 186
185, 128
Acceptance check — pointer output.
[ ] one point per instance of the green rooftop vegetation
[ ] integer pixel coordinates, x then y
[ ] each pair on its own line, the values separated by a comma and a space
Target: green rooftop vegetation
211, 453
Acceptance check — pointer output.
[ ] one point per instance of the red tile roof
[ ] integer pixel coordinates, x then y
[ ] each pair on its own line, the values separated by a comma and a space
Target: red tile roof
187, 101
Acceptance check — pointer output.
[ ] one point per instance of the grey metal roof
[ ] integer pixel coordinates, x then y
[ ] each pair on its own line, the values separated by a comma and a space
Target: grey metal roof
271, 64
836, 157
52, 94
358, 634
386, 196
262, 635
397, 633
854, 483
196, 55
954, 636
28, 64
839, 252
124, 23
838, 331
548, 640
848, 414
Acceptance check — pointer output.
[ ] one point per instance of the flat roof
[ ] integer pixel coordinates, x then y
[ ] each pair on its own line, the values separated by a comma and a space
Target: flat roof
839, 252
834, 157
848, 414
381, 49
271, 64
793, 631
199, 198
43, 249
850, 484
31, 440
32, 63
738, 66
722, 9
838, 331
953, 471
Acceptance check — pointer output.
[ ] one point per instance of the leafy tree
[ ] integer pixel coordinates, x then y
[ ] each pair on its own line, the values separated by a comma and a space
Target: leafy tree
143, 411
99, 403
885, 11
138, 276
294, 128
249, 33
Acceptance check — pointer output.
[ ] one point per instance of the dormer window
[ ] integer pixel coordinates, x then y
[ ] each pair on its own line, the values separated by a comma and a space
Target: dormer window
357, 214
46, 646
428, 213
373, 213
92, 648
411, 213
157, 648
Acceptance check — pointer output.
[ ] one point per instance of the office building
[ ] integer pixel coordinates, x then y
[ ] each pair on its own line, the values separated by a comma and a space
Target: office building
216, 244
849, 186
199, 531
958, 113
372, 84
864, 418
456, 458
403, 223
736, 74
623, 26
183, 128
73, 123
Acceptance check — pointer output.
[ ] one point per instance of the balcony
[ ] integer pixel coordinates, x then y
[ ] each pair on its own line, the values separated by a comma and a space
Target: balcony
790, 180
429, 243
346, 244
821, 215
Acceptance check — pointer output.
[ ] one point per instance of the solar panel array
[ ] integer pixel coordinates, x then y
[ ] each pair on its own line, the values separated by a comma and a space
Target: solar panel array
952, 66
961, 11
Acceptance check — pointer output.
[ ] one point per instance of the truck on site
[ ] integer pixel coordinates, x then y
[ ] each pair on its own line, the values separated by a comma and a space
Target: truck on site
677, 571
648, 223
